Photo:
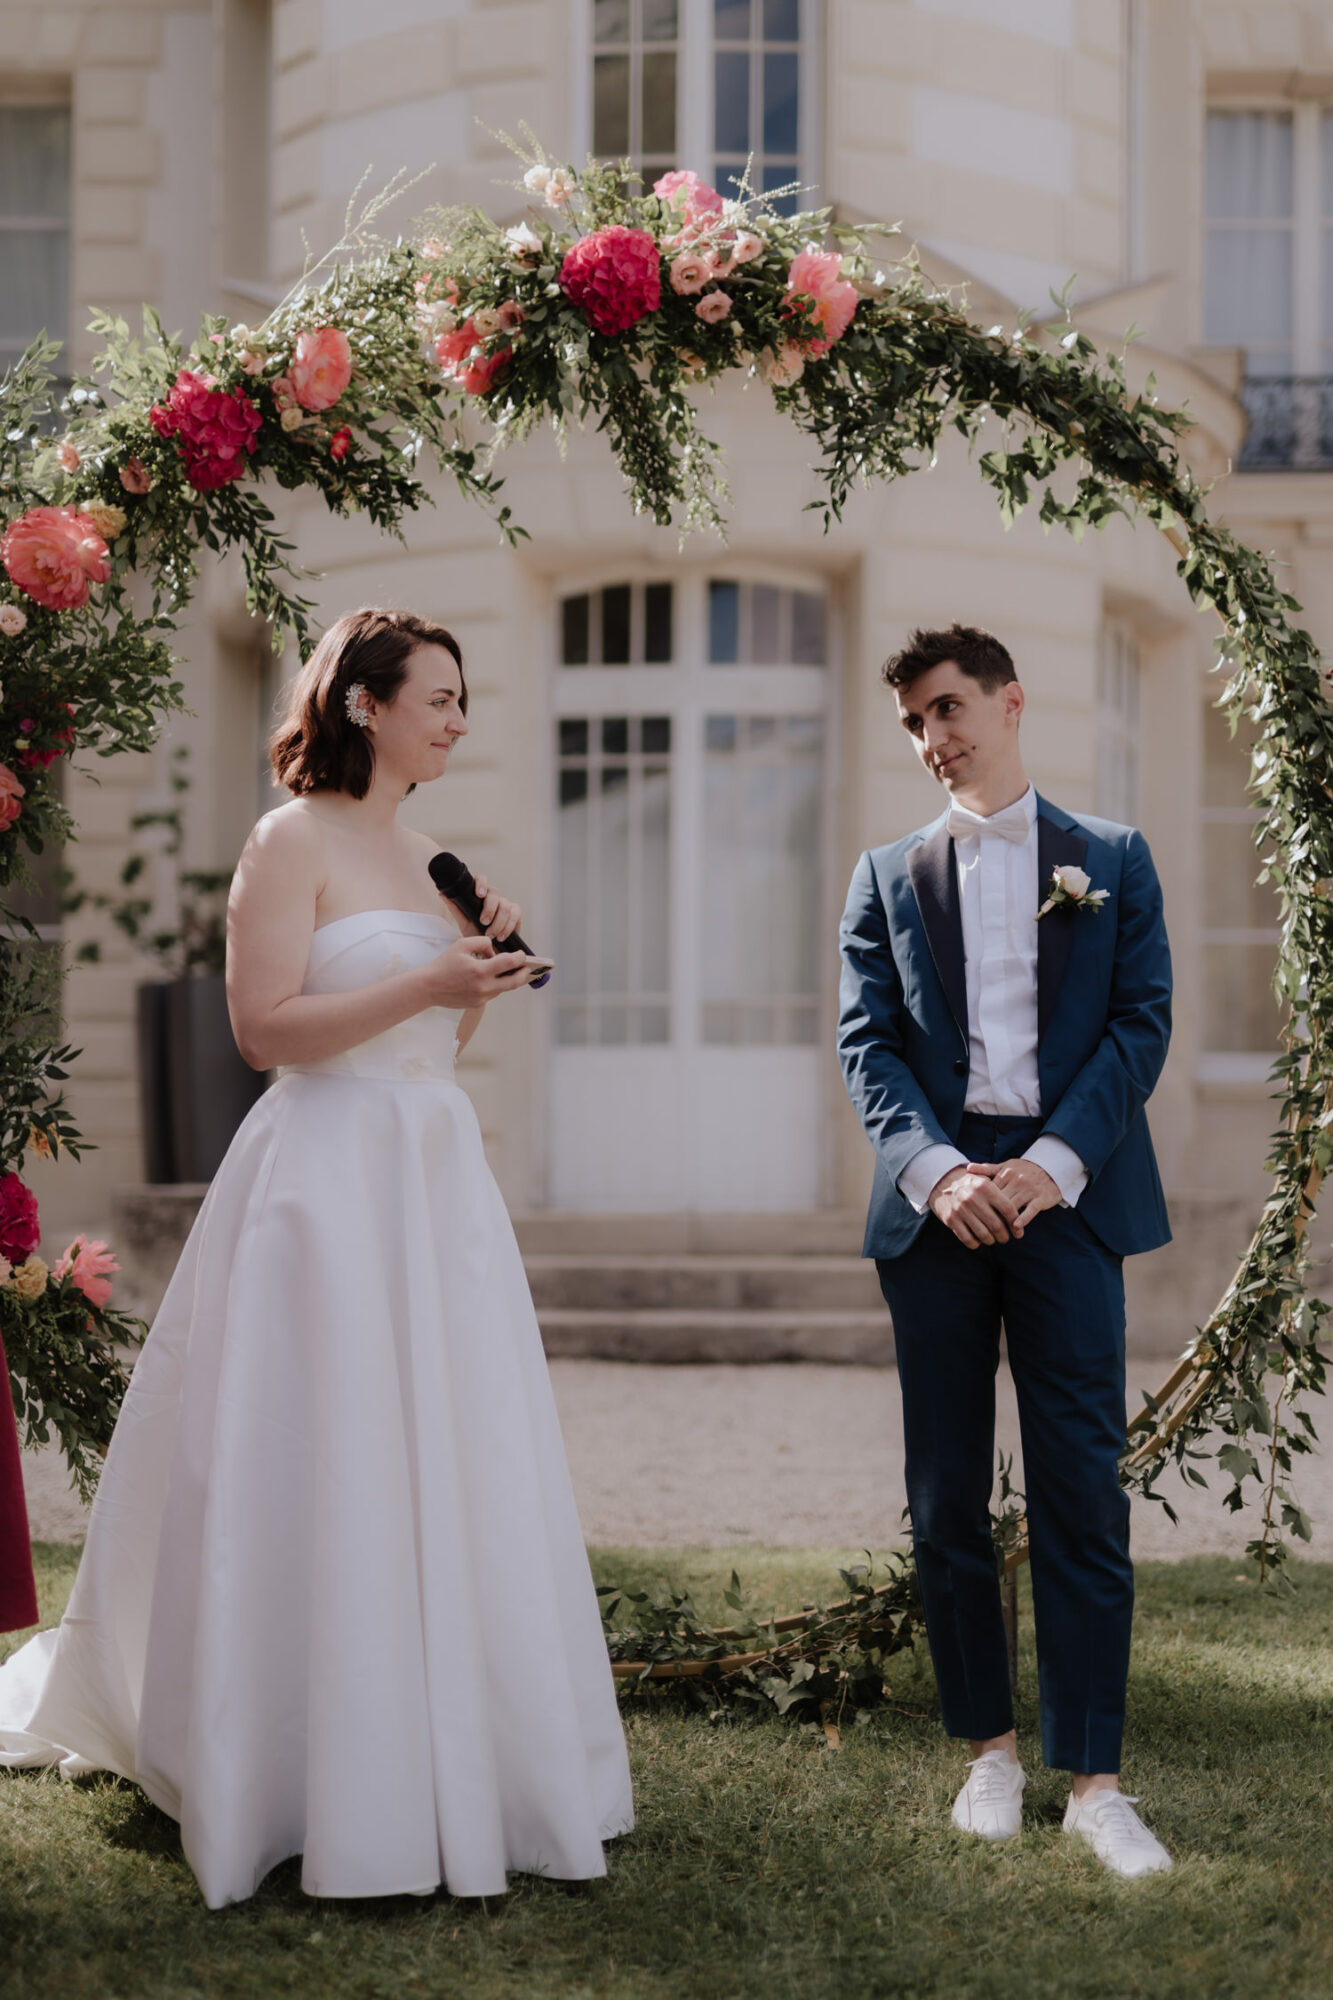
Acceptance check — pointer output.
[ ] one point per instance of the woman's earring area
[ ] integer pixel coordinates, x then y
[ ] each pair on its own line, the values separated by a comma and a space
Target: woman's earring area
356, 694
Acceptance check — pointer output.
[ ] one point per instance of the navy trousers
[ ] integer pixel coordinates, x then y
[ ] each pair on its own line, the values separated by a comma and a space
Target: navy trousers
1059, 1294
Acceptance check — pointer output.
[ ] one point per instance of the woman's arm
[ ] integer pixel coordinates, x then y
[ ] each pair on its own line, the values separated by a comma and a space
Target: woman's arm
270, 922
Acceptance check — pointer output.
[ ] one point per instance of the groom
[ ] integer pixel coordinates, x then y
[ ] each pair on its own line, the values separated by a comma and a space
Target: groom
1000, 1060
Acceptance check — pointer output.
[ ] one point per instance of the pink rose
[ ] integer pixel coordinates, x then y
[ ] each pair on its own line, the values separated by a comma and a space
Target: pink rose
691, 271
54, 553
783, 367
134, 476
815, 279
511, 315
283, 393
88, 1266
460, 356
321, 369
68, 454
216, 428
614, 275
12, 620
11, 791
712, 307
686, 192
340, 443
20, 1231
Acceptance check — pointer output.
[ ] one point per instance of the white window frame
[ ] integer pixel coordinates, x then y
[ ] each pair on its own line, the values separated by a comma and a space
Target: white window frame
694, 90
15, 224
1307, 225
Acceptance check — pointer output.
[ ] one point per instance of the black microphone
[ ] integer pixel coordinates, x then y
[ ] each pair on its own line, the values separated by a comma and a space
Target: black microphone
454, 879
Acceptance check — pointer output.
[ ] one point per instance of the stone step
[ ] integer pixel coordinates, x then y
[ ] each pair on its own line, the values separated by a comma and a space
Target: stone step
827, 1232
858, 1338
720, 1284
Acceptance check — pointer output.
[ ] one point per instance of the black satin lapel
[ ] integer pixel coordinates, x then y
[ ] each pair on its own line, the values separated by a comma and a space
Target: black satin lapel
934, 880
1056, 848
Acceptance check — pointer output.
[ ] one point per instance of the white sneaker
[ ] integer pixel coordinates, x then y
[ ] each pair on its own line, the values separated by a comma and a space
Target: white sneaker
1116, 1834
991, 1802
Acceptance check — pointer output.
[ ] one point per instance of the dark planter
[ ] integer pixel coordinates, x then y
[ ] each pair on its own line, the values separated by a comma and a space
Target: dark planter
194, 1088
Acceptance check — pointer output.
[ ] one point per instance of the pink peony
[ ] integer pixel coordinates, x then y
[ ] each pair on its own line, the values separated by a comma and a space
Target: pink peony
459, 355
614, 274
216, 428
11, 791
20, 1231
712, 307
54, 553
691, 271
689, 194
88, 1266
321, 369
340, 443
134, 476
815, 278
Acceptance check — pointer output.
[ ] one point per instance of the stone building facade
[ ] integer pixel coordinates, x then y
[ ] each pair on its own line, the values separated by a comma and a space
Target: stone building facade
652, 725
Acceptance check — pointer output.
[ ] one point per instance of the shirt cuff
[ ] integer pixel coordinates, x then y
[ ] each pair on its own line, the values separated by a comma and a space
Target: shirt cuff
916, 1182
1061, 1162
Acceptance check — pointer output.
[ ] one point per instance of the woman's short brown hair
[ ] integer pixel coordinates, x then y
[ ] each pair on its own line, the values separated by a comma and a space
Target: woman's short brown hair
317, 747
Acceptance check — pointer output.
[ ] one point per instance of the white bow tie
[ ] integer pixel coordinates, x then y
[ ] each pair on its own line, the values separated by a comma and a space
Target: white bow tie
1011, 824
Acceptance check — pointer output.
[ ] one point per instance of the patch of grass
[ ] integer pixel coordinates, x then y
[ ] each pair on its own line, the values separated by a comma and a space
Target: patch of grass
766, 1867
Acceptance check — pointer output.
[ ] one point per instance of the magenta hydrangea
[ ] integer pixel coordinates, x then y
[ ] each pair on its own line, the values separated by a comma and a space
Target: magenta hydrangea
216, 428
615, 276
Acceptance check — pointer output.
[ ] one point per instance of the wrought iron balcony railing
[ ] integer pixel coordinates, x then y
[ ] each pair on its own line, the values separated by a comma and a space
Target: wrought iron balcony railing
1291, 423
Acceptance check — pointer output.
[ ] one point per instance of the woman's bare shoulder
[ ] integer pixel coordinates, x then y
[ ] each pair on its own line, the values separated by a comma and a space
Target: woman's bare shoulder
290, 837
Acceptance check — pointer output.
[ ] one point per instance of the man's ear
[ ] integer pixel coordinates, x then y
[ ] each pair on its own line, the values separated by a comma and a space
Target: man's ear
1014, 701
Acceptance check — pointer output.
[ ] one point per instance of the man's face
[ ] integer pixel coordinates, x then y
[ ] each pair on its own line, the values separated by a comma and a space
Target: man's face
960, 731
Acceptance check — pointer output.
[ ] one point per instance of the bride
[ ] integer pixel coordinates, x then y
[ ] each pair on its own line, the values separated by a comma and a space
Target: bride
334, 1599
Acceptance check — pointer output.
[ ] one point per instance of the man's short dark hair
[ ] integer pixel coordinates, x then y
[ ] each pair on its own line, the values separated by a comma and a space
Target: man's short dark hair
977, 654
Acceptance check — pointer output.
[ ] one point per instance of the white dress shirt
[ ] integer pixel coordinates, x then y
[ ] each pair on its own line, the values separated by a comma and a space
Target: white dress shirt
996, 859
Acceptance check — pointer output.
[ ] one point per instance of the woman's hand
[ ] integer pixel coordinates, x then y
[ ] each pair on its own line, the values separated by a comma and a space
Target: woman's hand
499, 917
471, 972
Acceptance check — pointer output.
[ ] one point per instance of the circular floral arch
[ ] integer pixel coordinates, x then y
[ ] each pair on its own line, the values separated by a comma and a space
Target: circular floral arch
611, 306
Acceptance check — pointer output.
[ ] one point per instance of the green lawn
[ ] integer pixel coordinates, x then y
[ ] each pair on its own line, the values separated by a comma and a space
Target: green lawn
766, 1865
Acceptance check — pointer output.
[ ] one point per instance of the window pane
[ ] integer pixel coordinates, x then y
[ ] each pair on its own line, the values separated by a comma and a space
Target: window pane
659, 103
1247, 289
656, 734
808, 641
724, 622
780, 174
616, 625
657, 641
731, 20
780, 102
1249, 164
1240, 1014
574, 631
731, 101
34, 277
573, 738
765, 640
34, 161
659, 20
782, 20
611, 21
610, 114
615, 740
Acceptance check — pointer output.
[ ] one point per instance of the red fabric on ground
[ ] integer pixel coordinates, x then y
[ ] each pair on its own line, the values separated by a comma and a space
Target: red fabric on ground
18, 1592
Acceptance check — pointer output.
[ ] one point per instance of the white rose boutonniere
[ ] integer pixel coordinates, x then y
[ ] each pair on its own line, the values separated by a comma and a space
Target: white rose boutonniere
1071, 889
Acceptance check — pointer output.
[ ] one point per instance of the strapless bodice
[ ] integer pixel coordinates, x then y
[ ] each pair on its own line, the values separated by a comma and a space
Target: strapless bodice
360, 950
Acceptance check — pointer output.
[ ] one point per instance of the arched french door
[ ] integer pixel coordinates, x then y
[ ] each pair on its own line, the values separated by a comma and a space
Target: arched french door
691, 1007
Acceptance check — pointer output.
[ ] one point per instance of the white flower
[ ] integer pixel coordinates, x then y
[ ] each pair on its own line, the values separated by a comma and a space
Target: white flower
12, 620
1074, 881
487, 321
292, 417
525, 245
537, 179
437, 317
559, 187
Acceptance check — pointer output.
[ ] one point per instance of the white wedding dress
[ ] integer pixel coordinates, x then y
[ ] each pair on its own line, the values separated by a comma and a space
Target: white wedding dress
334, 1599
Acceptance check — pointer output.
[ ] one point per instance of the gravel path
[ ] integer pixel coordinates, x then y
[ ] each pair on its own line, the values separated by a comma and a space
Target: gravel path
799, 1455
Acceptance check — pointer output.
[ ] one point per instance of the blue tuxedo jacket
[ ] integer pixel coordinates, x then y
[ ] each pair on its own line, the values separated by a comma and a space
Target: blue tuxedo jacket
1103, 1019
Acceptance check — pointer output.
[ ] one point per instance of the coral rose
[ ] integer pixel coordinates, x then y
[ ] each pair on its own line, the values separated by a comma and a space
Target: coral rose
20, 1230
54, 553
216, 428
712, 307
12, 620
614, 275
815, 279
88, 1266
321, 368
134, 476
11, 791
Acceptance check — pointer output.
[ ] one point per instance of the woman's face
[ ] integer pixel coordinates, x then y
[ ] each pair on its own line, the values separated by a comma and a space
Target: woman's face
415, 732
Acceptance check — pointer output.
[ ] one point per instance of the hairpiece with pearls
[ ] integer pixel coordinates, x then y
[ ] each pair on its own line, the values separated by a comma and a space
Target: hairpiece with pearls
355, 713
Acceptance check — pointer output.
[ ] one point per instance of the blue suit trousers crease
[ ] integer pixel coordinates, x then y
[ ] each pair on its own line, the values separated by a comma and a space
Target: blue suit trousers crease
1058, 1293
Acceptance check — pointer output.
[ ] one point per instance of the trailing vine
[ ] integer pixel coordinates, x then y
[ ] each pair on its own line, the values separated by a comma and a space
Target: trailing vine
617, 307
